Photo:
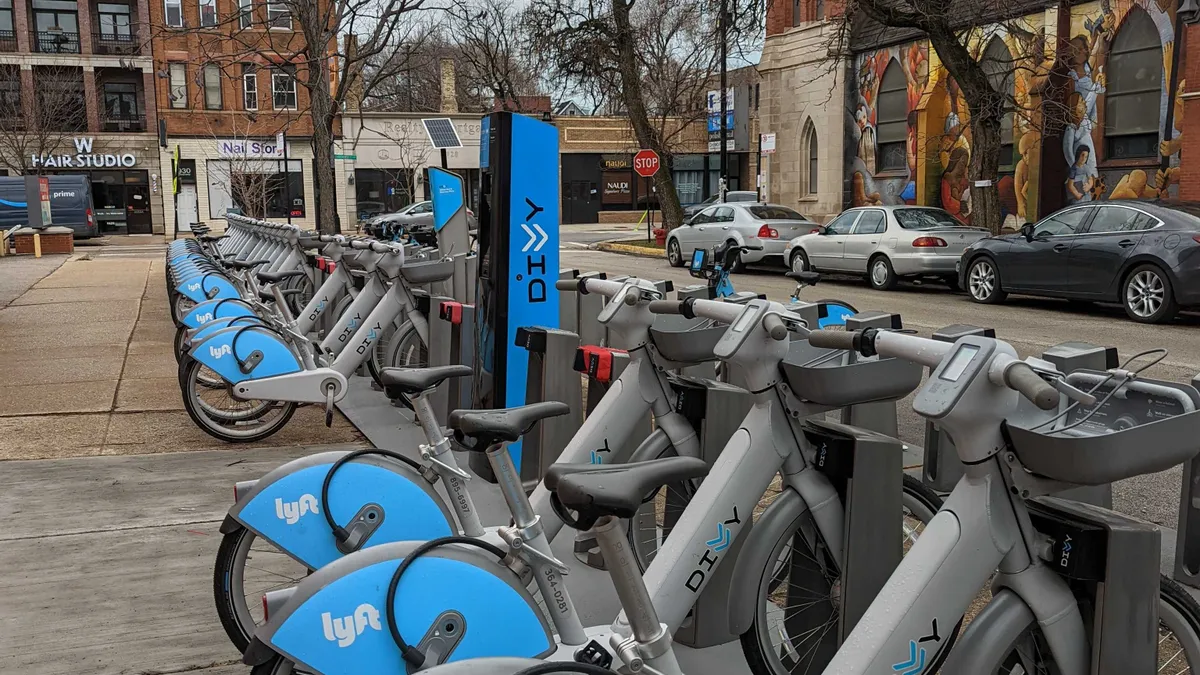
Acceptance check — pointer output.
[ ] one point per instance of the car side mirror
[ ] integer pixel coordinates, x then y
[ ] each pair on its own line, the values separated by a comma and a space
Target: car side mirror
1027, 231
820, 229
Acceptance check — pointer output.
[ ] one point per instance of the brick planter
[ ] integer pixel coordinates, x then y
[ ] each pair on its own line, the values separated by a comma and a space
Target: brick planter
54, 240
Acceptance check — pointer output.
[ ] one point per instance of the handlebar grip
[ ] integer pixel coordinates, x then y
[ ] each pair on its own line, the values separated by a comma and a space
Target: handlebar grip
1022, 378
360, 244
380, 247
632, 297
832, 339
775, 327
567, 284
666, 307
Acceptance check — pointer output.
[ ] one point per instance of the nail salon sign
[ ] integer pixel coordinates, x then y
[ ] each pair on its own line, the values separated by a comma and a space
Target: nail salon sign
240, 148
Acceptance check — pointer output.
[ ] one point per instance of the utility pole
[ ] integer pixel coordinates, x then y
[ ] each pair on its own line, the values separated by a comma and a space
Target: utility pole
723, 34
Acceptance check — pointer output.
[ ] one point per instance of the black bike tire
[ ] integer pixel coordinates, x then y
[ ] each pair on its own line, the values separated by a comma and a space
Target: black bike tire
685, 488
752, 643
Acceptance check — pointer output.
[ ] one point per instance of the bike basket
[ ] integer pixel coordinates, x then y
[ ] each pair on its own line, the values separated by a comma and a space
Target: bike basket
427, 272
827, 377
683, 340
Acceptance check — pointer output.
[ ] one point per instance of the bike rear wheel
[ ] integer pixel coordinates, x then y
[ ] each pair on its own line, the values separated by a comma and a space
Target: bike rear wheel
246, 569
795, 627
257, 421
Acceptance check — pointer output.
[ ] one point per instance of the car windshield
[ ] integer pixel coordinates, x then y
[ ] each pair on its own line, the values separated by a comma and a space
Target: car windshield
773, 213
924, 219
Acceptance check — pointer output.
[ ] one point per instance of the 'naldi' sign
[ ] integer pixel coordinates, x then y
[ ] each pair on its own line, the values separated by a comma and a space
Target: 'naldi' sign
85, 158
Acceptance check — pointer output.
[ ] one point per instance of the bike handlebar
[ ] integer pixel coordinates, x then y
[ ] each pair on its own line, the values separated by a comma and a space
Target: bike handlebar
833, 339
775, 327
723, 312
1019, 376
666, 307
590, 284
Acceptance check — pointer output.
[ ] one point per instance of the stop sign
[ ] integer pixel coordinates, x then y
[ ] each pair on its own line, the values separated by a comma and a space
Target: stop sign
646, 163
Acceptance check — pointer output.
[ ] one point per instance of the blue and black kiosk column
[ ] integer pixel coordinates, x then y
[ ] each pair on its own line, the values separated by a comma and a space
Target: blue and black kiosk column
518, 258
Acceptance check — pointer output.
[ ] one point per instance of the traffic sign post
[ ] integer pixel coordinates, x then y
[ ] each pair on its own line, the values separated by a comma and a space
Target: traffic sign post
646, 163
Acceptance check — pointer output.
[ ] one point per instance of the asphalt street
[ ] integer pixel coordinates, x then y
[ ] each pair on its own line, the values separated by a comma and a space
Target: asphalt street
1030, 324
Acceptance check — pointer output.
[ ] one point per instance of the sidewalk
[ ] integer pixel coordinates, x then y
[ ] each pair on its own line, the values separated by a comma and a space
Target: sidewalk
86, 368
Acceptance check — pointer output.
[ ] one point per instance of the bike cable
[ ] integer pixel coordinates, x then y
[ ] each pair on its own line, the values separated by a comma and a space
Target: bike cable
340, 533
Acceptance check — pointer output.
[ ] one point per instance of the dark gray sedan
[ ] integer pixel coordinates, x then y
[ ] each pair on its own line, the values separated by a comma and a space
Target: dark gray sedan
1144, 255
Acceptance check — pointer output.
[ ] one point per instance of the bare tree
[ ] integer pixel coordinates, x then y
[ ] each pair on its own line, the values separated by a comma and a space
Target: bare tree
653, 59
250, 181
31, 130
1002, 80
413, 149
493, 52
333, 51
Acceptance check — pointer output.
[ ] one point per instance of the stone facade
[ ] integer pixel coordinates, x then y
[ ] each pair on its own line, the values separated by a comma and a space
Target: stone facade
803, 99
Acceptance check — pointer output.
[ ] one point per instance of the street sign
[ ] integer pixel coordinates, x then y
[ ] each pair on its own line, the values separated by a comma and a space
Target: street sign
646, 163
768, 144
347, 157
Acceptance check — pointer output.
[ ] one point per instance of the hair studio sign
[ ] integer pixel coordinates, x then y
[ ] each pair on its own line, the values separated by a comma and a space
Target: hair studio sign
85, 158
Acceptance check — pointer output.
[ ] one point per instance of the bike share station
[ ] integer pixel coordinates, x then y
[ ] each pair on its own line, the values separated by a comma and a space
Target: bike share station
501, 314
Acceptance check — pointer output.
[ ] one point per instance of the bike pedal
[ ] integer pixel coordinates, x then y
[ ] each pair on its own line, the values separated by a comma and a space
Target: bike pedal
595, 654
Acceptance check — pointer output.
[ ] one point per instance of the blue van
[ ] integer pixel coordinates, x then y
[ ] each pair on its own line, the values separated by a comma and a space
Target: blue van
70, 204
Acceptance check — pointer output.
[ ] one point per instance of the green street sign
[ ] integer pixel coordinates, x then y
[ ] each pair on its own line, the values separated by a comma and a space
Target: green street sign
349, 157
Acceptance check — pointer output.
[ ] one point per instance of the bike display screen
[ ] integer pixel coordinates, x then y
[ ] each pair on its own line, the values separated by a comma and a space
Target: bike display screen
698, 260
958, 363
744, 320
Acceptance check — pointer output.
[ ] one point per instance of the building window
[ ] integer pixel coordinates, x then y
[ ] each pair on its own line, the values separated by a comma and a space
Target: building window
1135, 80
173, 13
278, 15
998, 64
283, 88
250, 87
756, 92
12, 114
819, 11
797, 15
60, 98
8, 38
245, 13
208, 12
212, 86
114, 22
120, 101
891, 120
178, 81
812, 162
56, 26
260, 188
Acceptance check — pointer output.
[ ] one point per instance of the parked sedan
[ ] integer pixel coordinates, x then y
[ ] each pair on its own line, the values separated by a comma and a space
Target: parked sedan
886, 243
417, 213
731, 196
768, 226
1144, 255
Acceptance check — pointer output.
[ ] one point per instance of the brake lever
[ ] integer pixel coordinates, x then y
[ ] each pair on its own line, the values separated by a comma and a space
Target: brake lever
1072, 392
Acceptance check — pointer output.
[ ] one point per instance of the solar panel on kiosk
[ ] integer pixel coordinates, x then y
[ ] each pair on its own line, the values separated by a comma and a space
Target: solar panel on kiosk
442, 133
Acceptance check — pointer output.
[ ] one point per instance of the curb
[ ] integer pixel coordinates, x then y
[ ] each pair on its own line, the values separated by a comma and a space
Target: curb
627, 249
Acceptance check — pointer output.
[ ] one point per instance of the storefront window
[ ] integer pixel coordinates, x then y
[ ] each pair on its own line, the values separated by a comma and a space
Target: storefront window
383, 190
259, 188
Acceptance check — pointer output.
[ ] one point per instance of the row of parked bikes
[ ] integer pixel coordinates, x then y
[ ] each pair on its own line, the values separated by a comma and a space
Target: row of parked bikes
358, 562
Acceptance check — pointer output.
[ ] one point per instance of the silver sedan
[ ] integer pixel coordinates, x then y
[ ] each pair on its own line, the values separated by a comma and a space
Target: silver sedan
886, 243
766, 227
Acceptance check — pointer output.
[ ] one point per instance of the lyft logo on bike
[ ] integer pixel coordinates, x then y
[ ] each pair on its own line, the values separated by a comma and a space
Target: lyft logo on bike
291, 512
204, 318
218, 352
345, 630
193, 287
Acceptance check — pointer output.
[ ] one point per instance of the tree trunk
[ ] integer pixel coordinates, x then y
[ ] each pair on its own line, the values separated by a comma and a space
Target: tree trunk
631, 96
985, 159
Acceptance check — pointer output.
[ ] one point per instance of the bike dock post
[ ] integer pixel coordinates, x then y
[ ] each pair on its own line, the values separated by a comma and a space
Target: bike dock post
568, 304
1069, 357
1187, 535
879, 416
717, 410
942, 468
551, 360
440, 339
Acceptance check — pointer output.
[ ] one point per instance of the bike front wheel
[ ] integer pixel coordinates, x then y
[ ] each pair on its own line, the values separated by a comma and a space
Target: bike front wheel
796, 625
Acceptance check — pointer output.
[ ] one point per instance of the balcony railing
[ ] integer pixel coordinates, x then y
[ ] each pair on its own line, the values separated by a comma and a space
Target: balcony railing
123, 122
8, 41
55, 42
113, 43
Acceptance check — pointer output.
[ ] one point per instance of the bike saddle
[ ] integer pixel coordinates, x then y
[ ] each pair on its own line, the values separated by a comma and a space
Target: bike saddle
212, 237
487, 427
416, 380
618, 490
810, 278
245, 264
275, 277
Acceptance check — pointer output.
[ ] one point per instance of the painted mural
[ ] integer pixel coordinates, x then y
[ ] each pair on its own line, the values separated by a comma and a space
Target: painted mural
1094, 26
898, 187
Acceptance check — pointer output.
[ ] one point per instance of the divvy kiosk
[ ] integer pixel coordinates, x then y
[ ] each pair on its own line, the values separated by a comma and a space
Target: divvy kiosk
518, 258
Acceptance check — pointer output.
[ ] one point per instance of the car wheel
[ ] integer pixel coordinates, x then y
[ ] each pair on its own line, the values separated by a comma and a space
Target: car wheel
674, 256
799, 262
983, 281
880, 273
1147, 295
738, 265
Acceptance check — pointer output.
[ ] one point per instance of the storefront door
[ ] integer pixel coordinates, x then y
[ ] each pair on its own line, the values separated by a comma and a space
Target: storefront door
137, 207
186, 208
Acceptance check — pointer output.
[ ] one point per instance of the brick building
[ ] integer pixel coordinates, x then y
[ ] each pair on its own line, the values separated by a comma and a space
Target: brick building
226, 94
77, 97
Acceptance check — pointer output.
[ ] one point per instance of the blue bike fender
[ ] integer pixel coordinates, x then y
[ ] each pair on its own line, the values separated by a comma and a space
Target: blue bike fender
335, 624
202, 333
284, 506
227, 350
207, 287
223, 308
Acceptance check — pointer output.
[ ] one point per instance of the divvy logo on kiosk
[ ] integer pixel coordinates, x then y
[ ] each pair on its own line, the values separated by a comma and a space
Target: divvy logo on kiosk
291, 512
344, 630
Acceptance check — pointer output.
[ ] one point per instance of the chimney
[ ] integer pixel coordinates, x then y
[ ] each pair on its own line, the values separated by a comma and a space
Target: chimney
449, 87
